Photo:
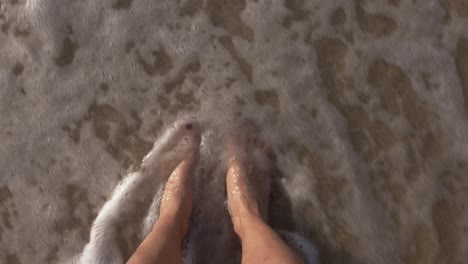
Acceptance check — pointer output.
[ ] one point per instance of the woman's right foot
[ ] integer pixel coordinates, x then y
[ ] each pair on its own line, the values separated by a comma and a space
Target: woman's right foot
248, 179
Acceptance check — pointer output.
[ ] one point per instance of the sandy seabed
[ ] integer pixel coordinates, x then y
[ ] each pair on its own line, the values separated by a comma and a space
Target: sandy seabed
365, 104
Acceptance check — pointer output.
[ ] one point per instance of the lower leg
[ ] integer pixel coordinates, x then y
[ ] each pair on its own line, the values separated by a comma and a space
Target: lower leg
260, 244
248, 189
163, 244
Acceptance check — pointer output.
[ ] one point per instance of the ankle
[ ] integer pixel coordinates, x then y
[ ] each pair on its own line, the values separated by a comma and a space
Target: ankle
173, 222
244, 219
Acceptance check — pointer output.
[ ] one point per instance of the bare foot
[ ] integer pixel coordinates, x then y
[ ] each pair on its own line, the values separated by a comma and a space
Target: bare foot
176, 202
248, 181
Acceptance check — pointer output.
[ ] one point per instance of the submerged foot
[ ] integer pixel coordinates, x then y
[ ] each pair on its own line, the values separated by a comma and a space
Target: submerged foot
176, 201
248, 180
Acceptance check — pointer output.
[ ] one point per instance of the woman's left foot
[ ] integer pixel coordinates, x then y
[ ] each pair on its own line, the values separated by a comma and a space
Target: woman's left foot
176, 202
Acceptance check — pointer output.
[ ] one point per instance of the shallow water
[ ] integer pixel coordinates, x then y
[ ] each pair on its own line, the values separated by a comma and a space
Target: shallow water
364, 102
